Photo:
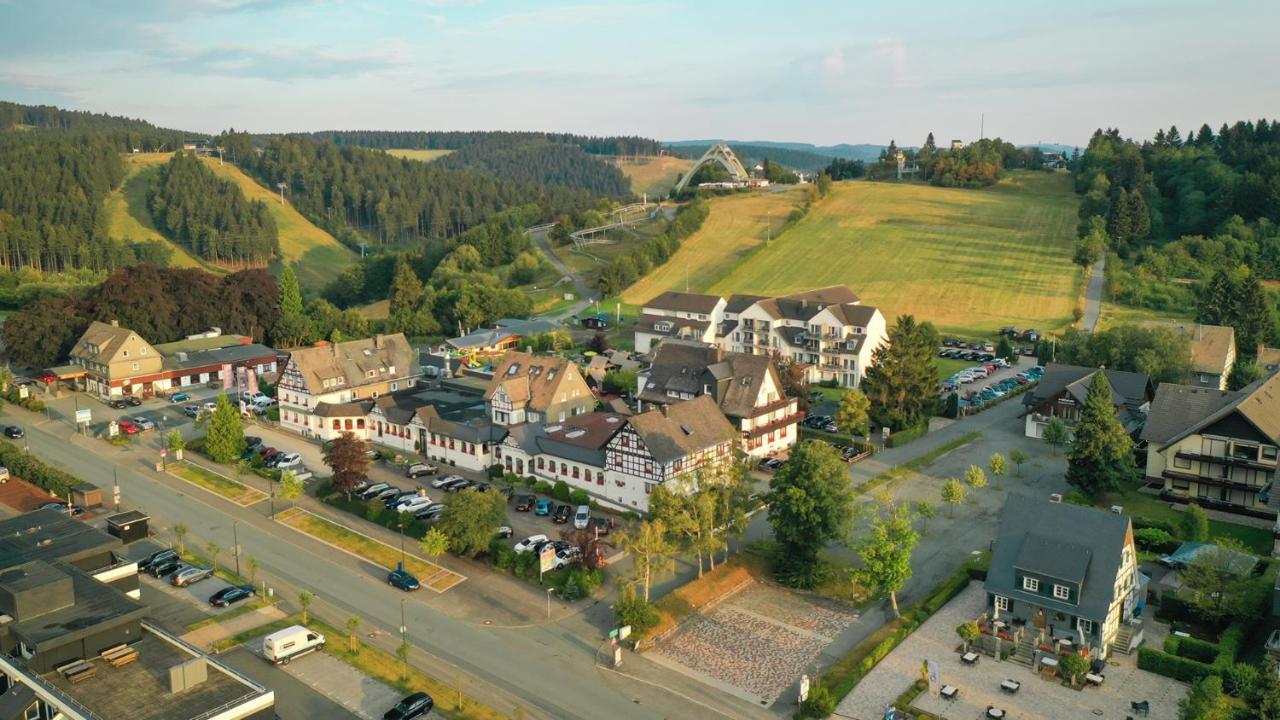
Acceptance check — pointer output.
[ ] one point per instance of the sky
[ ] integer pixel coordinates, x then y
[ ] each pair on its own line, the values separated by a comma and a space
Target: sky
824, 72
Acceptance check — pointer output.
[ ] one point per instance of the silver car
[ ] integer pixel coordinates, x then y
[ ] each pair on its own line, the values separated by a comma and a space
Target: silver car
190, 575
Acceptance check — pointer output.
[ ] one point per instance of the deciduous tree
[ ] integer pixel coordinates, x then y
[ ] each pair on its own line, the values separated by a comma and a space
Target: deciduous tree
1194, 524
470, 520
345, 457
1056, 433
810, 504
886, 551
225, 438
852, 412
953, 494
652, 551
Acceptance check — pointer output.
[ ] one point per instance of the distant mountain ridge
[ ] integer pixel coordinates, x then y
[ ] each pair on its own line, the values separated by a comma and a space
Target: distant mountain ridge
866, 152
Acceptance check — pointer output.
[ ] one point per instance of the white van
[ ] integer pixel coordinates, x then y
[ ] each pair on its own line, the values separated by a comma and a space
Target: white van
413, 504
283, 645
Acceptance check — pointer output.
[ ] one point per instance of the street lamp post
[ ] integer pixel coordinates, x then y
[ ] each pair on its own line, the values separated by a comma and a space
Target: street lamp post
235, 539
403, 628
400, 524
549, 591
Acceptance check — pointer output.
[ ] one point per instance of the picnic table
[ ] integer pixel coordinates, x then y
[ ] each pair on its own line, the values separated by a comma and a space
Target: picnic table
1094, 678
949, 692
969, 658
994, 713
1010, 686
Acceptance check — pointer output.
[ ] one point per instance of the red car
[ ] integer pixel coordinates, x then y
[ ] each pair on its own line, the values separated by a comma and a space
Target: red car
129, 428
47, 378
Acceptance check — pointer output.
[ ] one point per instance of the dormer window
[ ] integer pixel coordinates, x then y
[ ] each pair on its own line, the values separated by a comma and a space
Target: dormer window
142, 350
1030, 584
1061, 592
126, 353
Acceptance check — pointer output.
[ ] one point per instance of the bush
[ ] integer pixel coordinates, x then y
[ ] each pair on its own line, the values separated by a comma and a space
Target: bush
561, 491
30, 468
819, 704
906, 435
1178, 668
1240, 679
495, 470
579, 497
373, 509
1155, 540
542, 487
1191, 648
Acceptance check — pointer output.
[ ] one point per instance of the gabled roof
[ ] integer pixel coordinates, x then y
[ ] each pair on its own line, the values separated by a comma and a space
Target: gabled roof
386, 356
738, 303
805, 305
476, 430
1053, 539
1129, 390
531, 381
1182, 410
482, 338
647, 323
672, 301
682, 429
1211, 345
733, 379
108, 339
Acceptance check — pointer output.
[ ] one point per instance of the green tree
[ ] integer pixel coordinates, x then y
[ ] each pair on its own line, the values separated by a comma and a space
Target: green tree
1217, 302
180, 534
1018, 458
1215, 584
1205, 701
1056, 433
926, 512
1074, 666
953, 494
975, 477
631, 609
810, 504
345, 457
214, 550
1266, 700
253, 566
402, 653
886, 551
902, 382
1194, 524
852, 414
620, 382
292, 328
173, 440
968, 632
999, 466
225, 438
1244, 372
434, 544
1253, 318
406, 288
1101, 455
470, 520
1005, 349
304, 601
353, 624
651, 550
291, 487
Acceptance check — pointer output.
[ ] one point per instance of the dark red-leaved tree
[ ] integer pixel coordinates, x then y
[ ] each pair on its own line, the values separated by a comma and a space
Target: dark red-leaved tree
345, 457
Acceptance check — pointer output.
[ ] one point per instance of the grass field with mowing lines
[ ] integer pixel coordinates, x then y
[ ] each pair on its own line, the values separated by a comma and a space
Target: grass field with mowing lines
970, 261
654, 176
429, 574
737, 225
127, 214
316, 257
418, 153
237, 493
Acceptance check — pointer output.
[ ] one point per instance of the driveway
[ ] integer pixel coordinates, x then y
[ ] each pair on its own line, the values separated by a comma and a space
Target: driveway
1093, 294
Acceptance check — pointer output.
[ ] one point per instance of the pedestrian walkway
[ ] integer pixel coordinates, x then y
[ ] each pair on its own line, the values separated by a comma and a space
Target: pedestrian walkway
206, 636
1093, 294
362, 695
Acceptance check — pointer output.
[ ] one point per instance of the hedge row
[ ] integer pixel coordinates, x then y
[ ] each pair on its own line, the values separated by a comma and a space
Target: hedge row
1178, 668
1192, 665
902, 437
1191, 648
30, 468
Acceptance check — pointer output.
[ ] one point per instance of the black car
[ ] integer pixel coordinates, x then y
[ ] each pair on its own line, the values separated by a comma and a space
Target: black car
155, 558
252, 442
562, 514
133, 400
13, 431
413, 706
524, 503
165, 568
228, 596
118, 404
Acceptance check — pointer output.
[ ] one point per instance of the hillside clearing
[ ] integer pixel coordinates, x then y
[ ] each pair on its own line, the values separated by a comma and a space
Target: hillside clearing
315, 255
418, 153
970, 261
654, 176
126, 207
737, 225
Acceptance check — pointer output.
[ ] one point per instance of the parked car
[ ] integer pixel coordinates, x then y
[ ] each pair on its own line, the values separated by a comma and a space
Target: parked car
542, 507
387, 492
190, 575
456, 483
412, 706
287, 461
229, 596
179, 397
529, 543
417, 470
65, 509
402, 579
155, 558
283, 645
193, 411
562, 514
132, 400
443, 480
601, 525
209, 407
524, 503
117, 404
128, 428
567, 555
13, 431
47, 378
372, 490
252, 442
505, 531
165, 568
582, 517
430, 513
144, 424
412, 504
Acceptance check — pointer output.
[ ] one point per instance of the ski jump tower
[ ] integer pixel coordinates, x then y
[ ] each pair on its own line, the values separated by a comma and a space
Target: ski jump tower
717, 154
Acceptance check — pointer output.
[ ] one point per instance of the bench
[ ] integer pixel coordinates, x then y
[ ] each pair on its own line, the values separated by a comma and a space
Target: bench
123, 658
113, 650
78, 670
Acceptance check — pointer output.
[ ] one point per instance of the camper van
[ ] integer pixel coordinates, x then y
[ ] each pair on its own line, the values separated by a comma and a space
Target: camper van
283, 645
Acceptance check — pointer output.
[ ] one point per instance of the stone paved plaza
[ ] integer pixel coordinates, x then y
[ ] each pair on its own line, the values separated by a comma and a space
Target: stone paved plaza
980, 684
757, 642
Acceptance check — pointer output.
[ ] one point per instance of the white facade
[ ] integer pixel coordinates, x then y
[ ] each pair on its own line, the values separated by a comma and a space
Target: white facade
832, 348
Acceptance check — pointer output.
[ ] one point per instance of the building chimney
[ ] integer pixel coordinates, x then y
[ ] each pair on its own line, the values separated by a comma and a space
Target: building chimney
377, 341
115, 323
663, 409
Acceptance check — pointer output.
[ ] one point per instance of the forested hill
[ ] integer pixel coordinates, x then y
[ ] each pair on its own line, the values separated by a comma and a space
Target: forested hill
456, 140
751, 155
129, 133
543, 163
210, 216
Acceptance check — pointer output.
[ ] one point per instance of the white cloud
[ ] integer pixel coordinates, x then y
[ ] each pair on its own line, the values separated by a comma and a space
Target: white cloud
833, 63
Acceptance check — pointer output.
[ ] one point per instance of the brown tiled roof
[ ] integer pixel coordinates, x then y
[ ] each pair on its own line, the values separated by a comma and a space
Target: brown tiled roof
1261, 406
352, 361
647, 323
1180, 410
532, 379
804, 305
685, 428
734, 379
106, 337
352, 409
685, 302
738, 303
591, 430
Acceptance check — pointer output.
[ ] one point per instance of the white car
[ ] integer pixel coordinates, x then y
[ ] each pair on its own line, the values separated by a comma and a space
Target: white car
978, 372
566, 556
209, 407
528, 543
964, 378
444, 480
582, 517
291, 461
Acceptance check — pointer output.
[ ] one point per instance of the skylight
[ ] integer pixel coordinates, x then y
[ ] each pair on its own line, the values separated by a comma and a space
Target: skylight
687, 430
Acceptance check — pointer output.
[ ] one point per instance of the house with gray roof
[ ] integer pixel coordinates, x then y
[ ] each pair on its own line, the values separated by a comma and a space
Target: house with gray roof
1062, 390
1065, 576
1217, 448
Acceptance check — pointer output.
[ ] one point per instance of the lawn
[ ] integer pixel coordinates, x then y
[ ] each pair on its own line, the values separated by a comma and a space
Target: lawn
654, 176
315, 255
1114, 314
126, 207
418, 153
1140, 505
221, 485
970, 261
362, 546
738, 224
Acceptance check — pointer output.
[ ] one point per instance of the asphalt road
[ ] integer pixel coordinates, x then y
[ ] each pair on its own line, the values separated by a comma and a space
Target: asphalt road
548, 670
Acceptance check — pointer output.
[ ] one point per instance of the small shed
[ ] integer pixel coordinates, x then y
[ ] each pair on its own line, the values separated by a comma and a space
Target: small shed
87, 494
599, 321
128, 526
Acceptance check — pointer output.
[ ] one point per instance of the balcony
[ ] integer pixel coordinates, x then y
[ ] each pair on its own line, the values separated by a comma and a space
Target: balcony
776, 424
1243, 462
1220, 481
